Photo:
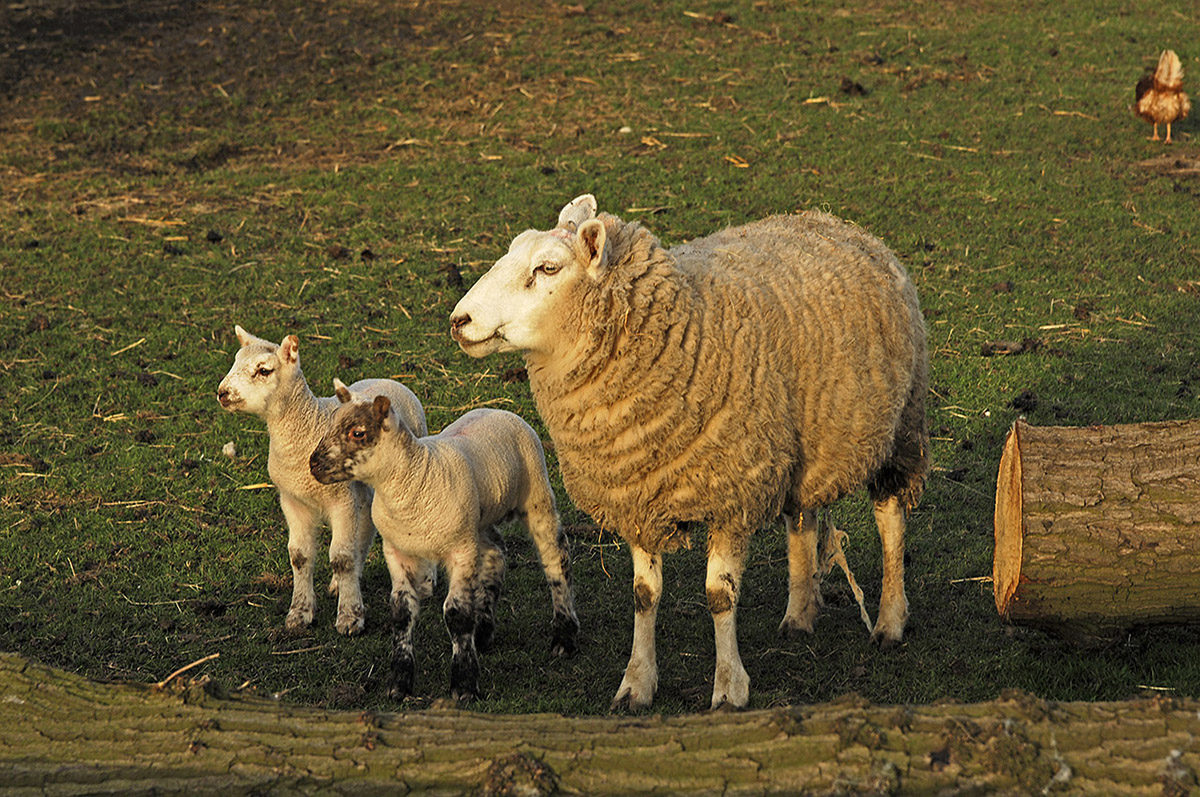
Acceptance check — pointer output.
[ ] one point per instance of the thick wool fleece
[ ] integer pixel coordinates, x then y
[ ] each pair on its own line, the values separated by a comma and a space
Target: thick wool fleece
770, 367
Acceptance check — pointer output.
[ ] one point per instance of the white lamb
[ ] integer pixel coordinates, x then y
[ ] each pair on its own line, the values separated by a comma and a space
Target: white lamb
763, 370
439, 498
266, 381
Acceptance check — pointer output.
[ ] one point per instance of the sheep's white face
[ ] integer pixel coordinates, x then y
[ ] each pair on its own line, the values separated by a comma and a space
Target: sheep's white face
512, 306
258, 369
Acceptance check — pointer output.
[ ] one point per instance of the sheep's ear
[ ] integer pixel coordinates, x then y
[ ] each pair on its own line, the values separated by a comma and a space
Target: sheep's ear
593, 246
576, 212
382, 407
244, 337
341, 391
289, 350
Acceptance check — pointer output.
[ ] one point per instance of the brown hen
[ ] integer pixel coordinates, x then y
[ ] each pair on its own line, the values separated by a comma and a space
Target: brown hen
1159, 96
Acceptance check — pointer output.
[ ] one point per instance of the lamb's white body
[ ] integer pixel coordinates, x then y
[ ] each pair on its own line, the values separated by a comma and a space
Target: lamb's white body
762, 370
439, 498
266, 381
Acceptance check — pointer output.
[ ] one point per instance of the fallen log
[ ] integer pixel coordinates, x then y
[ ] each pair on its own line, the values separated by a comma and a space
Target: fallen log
62, 734
1097, 530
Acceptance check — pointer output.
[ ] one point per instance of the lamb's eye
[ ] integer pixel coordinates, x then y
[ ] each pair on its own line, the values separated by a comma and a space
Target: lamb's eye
263, 372
548, 268
357, 434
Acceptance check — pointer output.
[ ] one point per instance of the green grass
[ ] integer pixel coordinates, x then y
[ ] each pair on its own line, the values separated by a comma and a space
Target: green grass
993, 150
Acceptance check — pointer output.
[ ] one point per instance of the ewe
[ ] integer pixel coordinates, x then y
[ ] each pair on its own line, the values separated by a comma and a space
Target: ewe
763, 370
266, 381
439, 498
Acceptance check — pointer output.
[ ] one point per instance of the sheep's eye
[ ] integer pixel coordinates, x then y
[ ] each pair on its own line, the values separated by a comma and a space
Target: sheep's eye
263, 372
358, 434
548, 268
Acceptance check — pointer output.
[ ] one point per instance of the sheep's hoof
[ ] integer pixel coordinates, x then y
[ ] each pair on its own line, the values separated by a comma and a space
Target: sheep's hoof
564, 638
464, 696
885, 639
625, 702
794, 629
298, 620
727, 707
350, 622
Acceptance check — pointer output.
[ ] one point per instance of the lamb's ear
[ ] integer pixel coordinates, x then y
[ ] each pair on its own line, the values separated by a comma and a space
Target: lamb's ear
576, 212
244, 337
382, 407
593, 246
289, 350
341, 391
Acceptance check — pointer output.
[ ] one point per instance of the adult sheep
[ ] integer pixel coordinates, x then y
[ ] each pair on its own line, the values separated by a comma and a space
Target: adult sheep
763, 370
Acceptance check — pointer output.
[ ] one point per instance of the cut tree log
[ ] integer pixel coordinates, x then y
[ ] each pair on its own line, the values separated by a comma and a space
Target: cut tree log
1097, 529
62, 734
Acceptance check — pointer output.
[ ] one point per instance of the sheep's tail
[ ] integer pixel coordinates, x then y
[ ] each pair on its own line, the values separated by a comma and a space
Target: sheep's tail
832, 553
1169, 73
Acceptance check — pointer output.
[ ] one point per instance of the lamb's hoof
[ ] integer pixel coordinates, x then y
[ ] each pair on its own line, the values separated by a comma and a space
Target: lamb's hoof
465, 695
298, 621
794, 629
727, 707
564, 639
885, 640
351, 622
333, 586
626, 702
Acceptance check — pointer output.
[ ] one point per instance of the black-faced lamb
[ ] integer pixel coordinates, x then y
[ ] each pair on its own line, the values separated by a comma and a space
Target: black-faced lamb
265, 380
763, 370
440, 498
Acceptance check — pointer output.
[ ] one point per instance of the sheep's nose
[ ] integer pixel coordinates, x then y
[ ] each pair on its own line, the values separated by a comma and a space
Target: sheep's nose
457, 323
223, 395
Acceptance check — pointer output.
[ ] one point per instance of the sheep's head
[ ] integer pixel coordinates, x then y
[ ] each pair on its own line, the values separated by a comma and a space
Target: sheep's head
355, 430
258, 369
512, 306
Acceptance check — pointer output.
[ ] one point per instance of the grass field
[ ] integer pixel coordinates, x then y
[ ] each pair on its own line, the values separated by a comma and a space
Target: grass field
170, 168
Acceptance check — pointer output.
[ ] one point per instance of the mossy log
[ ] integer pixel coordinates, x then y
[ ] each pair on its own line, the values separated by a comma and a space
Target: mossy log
1097, 530
62, 734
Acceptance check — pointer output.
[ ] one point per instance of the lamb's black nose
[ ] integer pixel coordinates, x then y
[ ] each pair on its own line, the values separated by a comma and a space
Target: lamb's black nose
457, 323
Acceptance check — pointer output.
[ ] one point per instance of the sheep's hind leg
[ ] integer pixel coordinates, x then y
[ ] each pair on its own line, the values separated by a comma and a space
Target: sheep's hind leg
804, 577
346, 556
893, 603
726, 560
641, 674
302, 547
461, 615
546, 531
491, 579
412, 580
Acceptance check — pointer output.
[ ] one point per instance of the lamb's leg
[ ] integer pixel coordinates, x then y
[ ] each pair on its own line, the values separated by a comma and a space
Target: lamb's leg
349, 526
461, 615
491, 579
364, 531
893, 604
412, 580
726, 560
546, 531
641, 673
804, 578
302, 523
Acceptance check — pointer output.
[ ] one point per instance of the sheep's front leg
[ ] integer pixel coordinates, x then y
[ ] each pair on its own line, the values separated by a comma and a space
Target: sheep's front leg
546, 531
641, 674
804, 578
412, 580
726, 560
893, 604
461, 614
302, 522
347, 553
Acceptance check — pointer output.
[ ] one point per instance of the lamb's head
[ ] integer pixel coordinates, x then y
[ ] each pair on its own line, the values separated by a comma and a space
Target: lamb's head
355, 431
515, 305
258, 370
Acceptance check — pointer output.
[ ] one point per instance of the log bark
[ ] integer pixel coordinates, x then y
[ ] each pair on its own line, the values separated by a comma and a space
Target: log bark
62, 734
1097, 530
